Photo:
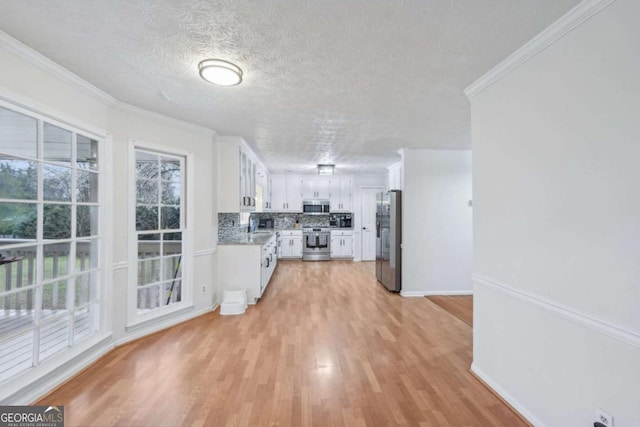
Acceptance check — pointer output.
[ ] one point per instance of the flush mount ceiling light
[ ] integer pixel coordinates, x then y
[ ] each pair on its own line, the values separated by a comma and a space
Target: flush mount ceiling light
325, 169
220, 72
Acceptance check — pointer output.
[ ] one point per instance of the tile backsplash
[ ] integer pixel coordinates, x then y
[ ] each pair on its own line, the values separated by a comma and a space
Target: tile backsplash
229, 225
229, 222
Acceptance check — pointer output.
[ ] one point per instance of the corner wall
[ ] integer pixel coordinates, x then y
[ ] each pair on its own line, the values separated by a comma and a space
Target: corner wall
556, 220
436, 253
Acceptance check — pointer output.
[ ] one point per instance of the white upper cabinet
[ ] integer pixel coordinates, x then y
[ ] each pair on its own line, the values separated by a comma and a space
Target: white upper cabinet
268, 193
286, 193
263, 190
315, 187
247, 180
340, 193
323, 187
237, 168
294, 194
289, 191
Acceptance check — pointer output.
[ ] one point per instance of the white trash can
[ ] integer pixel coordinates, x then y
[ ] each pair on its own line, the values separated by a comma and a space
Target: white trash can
233, 302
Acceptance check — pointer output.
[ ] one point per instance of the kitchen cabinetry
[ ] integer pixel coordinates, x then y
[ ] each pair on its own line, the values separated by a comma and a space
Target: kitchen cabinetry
341, 244
268, 193
290, 244
396, 176
247, 181
340, 194
315, 187
263, 197
236, 173
247, 267
269, 261
286, 194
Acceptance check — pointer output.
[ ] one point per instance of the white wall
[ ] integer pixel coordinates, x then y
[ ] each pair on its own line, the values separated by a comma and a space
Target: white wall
557, 226
436, 254
32, 81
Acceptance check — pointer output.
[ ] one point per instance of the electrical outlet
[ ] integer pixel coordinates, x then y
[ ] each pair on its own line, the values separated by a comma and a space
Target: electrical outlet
604, 418
204, 289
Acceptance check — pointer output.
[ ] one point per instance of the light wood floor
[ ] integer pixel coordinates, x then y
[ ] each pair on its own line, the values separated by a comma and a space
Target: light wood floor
327, 345
461, 306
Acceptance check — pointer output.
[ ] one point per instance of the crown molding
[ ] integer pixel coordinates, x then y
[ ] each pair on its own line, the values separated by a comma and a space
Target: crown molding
37, 59
567, 23
151, 115
54, 69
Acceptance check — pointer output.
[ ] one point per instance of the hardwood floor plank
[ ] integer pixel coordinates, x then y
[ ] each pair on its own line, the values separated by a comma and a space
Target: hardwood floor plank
460, 306
326, 345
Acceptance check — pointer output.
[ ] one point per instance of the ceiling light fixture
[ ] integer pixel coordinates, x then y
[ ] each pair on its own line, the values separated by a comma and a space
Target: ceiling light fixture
220, 72
326, 169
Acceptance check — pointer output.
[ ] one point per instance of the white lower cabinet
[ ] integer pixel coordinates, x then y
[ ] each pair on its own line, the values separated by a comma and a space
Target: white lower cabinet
247, 267
290, 244
341, 244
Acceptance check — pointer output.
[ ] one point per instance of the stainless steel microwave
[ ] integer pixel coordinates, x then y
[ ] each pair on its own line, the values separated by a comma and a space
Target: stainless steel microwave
315, 207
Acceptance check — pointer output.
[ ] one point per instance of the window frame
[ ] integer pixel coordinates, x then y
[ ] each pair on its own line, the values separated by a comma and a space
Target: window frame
134, 318
40, 360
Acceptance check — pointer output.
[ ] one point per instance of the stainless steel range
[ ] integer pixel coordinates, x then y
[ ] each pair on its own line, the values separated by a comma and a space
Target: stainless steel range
316, 244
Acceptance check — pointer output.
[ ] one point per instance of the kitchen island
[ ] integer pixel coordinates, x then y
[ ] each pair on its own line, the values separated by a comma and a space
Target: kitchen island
247, 261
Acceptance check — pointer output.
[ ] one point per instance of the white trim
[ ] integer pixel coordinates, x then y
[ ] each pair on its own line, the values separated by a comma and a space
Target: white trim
134, 319
105, 194
42, 114
567, 23
26, 105
507, 397
160, 323
159, 315
395, 165
33, 57
120, 265
152, 115
588, 322
50, 67
411, 294
37, 384
450, 293
205, 252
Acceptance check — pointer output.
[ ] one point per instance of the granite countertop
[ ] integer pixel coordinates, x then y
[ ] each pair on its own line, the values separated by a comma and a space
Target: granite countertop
259, 238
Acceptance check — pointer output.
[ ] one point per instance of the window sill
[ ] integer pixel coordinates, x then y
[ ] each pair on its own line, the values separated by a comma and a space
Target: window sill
145, 322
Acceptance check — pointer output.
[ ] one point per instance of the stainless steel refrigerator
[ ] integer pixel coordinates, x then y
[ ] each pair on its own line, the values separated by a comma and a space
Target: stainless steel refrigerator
389, 239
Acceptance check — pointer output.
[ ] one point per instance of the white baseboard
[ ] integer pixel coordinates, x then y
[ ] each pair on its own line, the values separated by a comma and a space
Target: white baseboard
411, 294
522, 410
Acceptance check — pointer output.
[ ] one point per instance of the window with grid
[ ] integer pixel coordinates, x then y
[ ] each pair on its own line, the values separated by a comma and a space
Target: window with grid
160, 227
49, 239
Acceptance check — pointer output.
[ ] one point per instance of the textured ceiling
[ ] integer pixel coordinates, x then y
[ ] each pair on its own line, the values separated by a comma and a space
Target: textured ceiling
325, 81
